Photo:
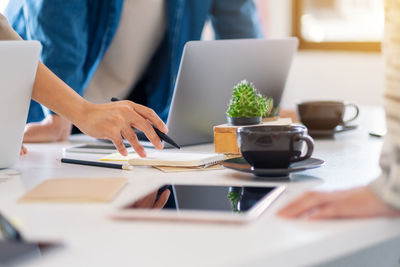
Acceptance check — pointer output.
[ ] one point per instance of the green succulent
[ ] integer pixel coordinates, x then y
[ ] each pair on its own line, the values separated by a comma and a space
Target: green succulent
271, 110
247, 102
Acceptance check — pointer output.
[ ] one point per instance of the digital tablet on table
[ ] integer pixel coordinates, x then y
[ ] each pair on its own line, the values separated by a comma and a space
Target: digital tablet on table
201, 203
96, 148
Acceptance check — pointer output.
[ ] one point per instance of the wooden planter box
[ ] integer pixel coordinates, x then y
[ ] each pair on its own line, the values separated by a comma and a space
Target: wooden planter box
225, 136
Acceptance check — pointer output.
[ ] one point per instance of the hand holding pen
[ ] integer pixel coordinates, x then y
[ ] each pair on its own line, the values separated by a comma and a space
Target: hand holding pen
117, 120
142, 118
162, 135
114, 121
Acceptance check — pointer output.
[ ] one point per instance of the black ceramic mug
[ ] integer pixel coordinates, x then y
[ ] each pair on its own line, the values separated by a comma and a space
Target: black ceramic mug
274, 146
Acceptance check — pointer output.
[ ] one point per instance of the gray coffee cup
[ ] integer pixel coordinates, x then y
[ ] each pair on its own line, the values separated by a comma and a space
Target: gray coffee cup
274, 146
325, 115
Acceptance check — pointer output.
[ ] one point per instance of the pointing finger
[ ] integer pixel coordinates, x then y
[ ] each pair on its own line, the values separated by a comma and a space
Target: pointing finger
133, 140
119, 144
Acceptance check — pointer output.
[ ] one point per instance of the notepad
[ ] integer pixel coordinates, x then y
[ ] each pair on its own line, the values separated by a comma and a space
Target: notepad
169, 169
75, 190
118, 157
166, 158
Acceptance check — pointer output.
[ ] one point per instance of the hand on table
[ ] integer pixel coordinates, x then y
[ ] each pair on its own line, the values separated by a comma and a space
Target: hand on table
23, 150
115, 120
354, 203
53, 128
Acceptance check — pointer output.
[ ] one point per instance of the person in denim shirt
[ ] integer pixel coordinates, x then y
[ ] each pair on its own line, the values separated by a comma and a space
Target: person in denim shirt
76, 34
110, 121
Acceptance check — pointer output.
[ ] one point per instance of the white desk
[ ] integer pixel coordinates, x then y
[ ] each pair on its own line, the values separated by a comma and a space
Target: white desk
92, 239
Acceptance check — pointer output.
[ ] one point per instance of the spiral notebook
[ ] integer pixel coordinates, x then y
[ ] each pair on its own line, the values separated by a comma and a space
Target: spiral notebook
166, 158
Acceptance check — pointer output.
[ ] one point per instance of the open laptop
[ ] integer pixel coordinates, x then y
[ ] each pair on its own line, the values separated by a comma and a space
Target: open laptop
208, 72
18, 63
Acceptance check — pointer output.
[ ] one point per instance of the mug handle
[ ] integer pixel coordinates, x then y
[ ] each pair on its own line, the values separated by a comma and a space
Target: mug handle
356, 115
310, 147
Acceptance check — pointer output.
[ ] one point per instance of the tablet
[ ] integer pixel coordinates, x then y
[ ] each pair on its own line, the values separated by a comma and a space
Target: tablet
101, 148
201, 203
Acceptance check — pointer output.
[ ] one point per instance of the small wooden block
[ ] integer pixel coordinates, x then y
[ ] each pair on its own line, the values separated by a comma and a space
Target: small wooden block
225, 139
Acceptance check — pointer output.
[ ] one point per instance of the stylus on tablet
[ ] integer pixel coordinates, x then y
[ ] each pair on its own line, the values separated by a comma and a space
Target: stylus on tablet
160, 134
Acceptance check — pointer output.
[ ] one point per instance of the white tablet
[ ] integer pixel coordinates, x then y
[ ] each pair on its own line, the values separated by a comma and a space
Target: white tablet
205, 203
98, 148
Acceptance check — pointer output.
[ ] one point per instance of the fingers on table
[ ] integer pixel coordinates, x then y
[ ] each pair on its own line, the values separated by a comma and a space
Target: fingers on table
334, 210
130, 135
141, 117
23, 151
143, 125
119, 144
304, 204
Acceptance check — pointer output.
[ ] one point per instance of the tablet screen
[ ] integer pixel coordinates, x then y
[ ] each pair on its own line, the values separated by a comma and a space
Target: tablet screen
100, 146
229, 199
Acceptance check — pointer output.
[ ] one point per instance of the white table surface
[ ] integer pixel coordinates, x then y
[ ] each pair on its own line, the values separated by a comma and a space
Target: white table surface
91, 238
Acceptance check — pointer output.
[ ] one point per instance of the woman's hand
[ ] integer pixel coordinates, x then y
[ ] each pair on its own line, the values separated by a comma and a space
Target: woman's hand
23, 150
354, 203
115, 120
53, 128
110, 121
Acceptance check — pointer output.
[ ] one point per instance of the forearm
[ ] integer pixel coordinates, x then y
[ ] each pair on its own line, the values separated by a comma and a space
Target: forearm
387, 186
6, 31
48, 89
52, 92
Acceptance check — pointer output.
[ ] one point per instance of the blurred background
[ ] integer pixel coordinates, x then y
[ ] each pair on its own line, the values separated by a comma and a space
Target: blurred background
339, 56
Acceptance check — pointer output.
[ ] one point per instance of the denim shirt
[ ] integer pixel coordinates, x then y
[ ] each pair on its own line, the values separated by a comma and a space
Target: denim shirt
75, 35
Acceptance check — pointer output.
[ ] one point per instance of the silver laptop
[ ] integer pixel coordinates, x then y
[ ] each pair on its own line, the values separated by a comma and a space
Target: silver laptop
207, 74
18, 63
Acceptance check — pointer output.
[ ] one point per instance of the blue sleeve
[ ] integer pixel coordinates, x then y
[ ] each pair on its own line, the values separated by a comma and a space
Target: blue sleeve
74, 33
235, 19
61, 26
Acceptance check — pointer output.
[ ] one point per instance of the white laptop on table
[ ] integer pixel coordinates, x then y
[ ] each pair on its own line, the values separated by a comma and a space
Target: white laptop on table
207, 74
18, 63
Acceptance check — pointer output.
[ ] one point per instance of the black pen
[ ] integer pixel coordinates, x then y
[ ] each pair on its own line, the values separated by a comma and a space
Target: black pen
97, 164
160, 134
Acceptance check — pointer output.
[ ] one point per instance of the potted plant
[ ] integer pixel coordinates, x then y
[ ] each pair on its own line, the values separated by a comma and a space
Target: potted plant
247, 106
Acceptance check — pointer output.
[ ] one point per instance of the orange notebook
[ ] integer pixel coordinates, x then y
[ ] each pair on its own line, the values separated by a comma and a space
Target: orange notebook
75, 190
